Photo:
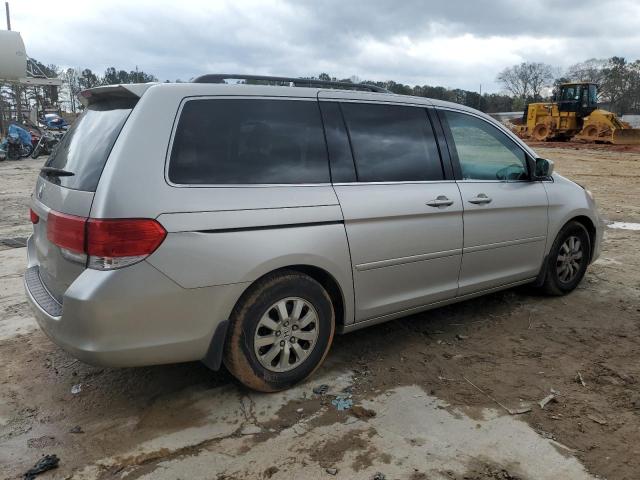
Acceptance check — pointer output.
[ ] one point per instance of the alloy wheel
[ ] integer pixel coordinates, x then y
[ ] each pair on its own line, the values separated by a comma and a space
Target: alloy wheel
286, 334
569, 260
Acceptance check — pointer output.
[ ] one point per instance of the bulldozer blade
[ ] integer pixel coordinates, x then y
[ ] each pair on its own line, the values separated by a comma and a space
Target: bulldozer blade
626, 136
619, 136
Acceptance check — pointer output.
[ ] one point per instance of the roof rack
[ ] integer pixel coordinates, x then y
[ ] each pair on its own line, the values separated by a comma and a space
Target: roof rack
296, 82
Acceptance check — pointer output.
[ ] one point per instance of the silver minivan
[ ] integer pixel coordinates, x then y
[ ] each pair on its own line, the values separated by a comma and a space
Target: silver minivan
244, 223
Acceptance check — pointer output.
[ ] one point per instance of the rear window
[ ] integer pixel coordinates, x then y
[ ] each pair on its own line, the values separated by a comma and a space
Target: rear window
249, 142
85, 147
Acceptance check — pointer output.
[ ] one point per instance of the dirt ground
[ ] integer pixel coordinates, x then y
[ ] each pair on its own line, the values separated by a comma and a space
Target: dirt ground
432, 390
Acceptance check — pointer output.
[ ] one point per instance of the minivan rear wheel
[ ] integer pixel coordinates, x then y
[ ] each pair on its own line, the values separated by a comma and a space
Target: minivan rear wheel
280, 332
568, 259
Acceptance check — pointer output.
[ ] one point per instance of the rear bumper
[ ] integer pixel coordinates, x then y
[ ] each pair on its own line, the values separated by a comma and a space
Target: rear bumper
130, 317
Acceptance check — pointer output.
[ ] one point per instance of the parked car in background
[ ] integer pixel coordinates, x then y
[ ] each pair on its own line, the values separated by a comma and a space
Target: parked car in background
246, 224
54, 121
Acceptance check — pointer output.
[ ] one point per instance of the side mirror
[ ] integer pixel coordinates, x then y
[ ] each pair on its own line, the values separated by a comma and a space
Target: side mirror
543, 168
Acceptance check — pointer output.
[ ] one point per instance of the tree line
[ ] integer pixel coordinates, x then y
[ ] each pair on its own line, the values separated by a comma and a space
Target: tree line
75, 80
618, 80
16, 100
487, 102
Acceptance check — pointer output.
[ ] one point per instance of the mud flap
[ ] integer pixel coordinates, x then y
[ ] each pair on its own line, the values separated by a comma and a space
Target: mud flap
539, 281
213, 358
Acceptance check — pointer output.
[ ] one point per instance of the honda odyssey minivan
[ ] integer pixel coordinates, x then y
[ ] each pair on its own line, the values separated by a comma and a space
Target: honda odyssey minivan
245, 224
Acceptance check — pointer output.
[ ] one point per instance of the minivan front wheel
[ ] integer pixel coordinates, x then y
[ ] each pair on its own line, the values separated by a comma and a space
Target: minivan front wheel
280, 331
568, 259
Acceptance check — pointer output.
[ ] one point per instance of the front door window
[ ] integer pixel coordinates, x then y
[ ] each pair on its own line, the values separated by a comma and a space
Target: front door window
484, 152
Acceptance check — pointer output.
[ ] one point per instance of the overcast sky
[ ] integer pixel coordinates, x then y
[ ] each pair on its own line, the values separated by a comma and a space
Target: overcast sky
453, 43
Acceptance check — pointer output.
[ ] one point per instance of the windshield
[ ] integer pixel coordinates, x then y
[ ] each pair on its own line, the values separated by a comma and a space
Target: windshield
571, 93
85, 147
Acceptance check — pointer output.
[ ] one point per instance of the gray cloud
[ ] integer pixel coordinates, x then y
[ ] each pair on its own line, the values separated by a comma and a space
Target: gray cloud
454, 43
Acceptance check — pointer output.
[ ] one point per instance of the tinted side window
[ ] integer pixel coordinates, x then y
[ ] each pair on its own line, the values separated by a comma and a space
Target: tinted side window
392, 143
342, 168
484, 152
249, 141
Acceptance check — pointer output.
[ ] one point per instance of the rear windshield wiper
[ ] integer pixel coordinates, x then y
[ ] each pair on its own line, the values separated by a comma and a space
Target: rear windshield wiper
56, 172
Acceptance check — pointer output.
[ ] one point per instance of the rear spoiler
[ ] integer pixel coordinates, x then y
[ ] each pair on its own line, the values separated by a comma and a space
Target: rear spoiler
132, 91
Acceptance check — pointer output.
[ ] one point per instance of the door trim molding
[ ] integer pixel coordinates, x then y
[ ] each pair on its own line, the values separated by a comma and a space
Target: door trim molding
506, 243
363, 267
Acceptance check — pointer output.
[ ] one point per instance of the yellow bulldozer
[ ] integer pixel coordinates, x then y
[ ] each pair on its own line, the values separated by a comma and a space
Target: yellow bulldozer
574, 115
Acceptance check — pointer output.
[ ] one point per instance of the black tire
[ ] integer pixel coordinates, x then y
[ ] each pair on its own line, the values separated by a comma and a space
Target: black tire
240, 357
554, 283
26, 151
12, 154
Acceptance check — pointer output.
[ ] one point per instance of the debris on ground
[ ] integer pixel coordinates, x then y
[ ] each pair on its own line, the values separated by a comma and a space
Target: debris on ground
379, 476
342, 403
519, 411
76, 389
300, 410
45, 441
332, 471
321, 389
461, 337
597, 419
76, 429
510, 411
549, 398
363, 413
250, 430
46, 463
580, 380
271, 471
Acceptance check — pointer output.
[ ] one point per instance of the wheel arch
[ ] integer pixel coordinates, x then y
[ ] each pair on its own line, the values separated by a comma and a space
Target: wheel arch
320, 275
330, 284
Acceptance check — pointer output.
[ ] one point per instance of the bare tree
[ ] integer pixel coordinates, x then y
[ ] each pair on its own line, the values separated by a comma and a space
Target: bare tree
70, 82
527, 79
591, 70
513, 82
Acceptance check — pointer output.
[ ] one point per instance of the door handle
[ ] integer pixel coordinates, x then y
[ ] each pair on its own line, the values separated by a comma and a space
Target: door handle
480, 199
440, 201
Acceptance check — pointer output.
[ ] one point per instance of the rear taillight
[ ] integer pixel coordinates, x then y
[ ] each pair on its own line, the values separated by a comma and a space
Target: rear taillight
34, 216
105, 243
117, 243
66, 231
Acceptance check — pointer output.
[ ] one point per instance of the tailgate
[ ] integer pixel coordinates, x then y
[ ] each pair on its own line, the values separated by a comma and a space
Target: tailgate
67, 184
57, 268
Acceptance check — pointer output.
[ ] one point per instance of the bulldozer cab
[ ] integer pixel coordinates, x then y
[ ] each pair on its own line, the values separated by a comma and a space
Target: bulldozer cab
581, 98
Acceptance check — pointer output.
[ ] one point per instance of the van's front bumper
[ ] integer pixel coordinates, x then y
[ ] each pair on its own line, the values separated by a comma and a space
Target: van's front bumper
129, 317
